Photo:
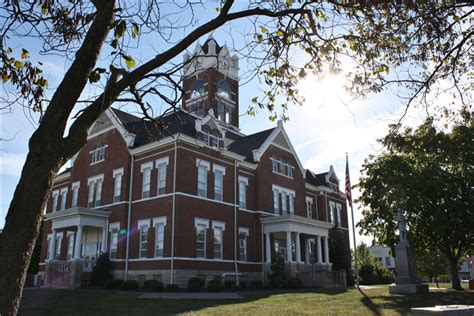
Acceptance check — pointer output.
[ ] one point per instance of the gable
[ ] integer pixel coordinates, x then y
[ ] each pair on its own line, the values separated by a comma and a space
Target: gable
281, 141
101, 125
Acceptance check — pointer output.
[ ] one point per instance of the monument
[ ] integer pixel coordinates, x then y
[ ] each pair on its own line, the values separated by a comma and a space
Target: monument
407, 281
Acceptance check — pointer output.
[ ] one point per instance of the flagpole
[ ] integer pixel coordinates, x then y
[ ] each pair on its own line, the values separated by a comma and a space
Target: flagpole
349, 198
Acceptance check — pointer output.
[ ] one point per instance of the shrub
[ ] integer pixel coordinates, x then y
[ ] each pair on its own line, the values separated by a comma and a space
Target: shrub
153, 285
256, 284
129, 285
243, 284
195, 284
228, 284
214, 286
172, 288
294, 283
102, 271
277, 279
113, 284
371, 274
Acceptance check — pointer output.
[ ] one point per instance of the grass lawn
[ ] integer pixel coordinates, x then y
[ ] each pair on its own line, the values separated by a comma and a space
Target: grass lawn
315, 302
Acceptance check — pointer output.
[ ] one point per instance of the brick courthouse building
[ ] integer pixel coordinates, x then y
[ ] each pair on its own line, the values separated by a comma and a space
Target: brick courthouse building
197, 199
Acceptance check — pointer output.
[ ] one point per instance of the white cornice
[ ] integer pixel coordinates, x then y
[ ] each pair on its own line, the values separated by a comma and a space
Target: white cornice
62, 177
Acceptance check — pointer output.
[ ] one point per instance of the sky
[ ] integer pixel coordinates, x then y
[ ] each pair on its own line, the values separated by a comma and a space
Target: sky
322, 131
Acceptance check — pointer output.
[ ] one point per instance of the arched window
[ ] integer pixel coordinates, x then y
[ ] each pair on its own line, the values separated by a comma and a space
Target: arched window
197, 89
224, 112
223, 89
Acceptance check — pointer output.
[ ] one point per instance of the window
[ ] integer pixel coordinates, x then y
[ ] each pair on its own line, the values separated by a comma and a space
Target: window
55, 201
332, 210
114, 233
219, 172
98, 192
223, 89
218, 228
224, 112
94, 194
159, 238
143, 229
243, 182
243, 233
70, 245
309, 207
161, 164
57, 252
198, 89
287, 200
388, 262
201, 227
291, 197
203, 167
146, 178
211, 139
63, 198
48, 255
98, 153
282, 168
339, 214
276, 202
117, 174
283, 202
75, 193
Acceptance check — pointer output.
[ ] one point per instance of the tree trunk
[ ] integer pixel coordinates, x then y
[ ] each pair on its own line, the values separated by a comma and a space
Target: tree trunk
455, 281
22, 225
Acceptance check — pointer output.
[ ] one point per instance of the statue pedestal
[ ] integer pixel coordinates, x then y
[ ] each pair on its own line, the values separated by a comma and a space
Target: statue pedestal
407, 281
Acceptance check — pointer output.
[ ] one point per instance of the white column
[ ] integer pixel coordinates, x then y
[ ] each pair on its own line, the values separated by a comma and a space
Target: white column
288, 247
103, 245
306, 260
53, 245
298, 248
326, 250
78, 243
268, 252
318, 242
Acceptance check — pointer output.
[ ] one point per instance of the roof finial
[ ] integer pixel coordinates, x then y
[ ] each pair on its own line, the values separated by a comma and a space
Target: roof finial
280, 123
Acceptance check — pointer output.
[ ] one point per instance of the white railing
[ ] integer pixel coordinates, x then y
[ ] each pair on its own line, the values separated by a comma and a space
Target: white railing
88, 265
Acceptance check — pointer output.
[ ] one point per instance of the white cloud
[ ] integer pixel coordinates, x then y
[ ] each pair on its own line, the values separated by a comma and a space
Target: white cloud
12, 164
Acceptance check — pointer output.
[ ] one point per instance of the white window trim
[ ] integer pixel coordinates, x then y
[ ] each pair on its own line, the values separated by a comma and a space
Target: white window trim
97, 149
113, 226
61, 191
219, 168
117, 172
339, 214
244, 179
164, 160
218, 224
332, 210
204, 163
68, 235
95, 178
74, 186
146, 165
311, 201
156, 221
201, 221
244, 230
55, 196
159, 220
143, 222
140, 223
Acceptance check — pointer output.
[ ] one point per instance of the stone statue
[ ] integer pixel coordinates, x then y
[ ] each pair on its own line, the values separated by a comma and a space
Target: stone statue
407, 280
402, 225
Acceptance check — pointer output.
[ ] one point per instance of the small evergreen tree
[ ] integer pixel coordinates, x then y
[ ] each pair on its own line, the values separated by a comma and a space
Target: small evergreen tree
278, 278
340, 253
102, 271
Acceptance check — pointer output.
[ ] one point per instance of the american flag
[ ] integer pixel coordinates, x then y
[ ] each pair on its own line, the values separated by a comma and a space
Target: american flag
348, 183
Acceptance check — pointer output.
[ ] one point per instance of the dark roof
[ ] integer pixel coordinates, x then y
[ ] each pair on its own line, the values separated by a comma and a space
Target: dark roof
246, 144
125, 117
316, 179
146, 131
205, 46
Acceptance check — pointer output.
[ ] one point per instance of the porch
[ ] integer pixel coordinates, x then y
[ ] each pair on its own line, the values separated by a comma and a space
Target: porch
78, 236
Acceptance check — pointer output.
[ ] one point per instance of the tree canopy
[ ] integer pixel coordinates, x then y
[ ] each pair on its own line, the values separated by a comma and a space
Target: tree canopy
410, 45
429, 175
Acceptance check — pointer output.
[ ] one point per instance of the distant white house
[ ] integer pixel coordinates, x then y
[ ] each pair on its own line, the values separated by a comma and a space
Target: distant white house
382, 254
466, 270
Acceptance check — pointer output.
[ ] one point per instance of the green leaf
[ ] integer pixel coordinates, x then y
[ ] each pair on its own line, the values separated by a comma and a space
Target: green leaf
94, 77
129, 61
18, 64
5, 78
264, 30
135, 30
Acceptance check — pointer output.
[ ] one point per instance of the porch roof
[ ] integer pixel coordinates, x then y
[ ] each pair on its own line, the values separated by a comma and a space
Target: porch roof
76, 216
295, 223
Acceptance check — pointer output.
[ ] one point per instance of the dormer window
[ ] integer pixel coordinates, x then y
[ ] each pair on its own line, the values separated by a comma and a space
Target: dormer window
211, 139
282, 168
98, 153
